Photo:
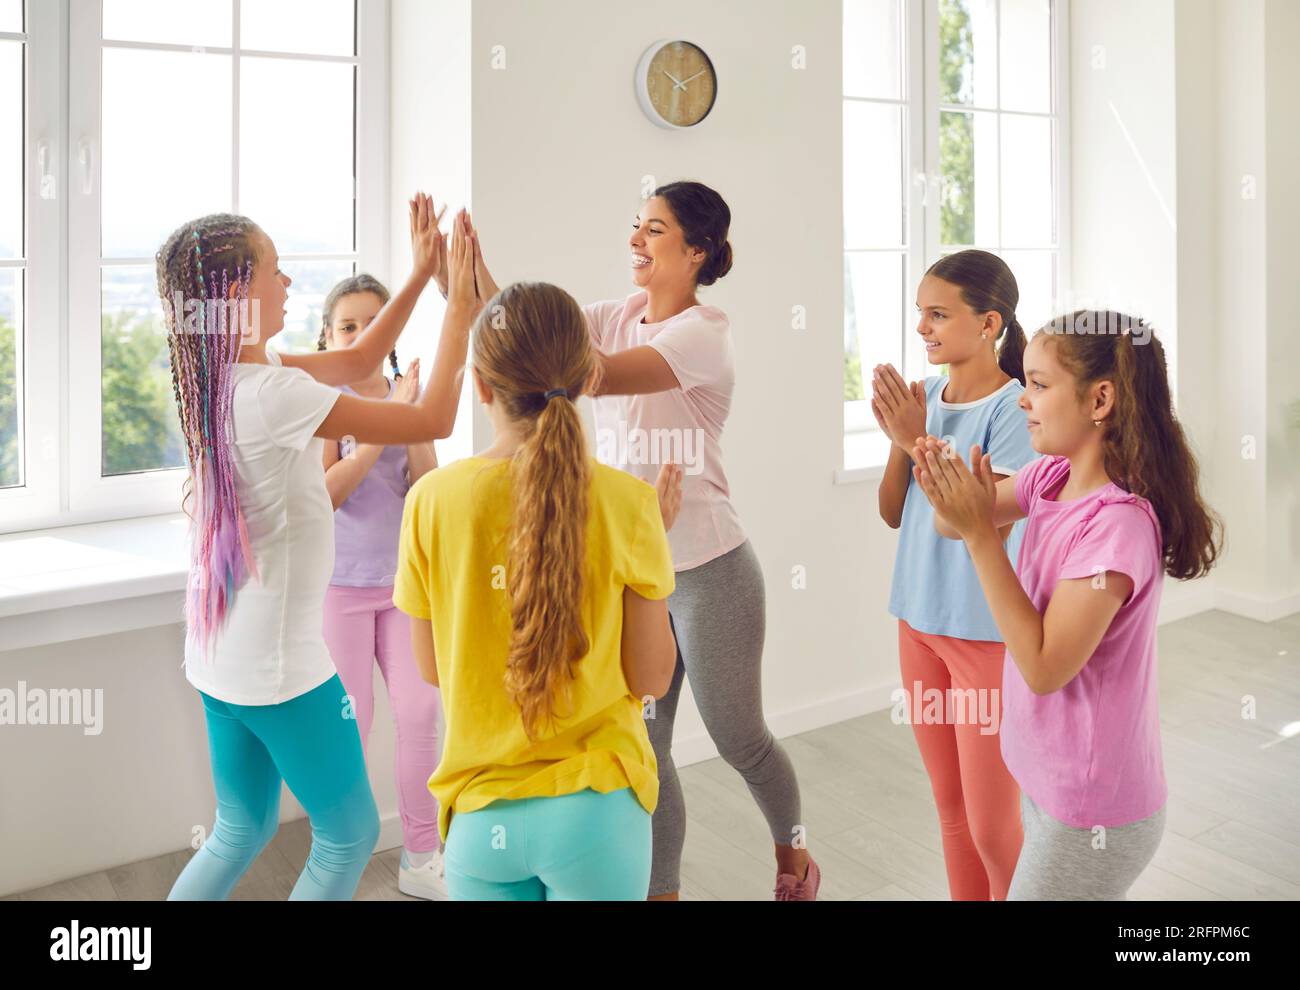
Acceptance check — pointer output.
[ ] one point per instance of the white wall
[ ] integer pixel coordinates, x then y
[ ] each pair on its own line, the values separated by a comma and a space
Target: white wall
1200, 86
1282, 222
429, 144
1237, 261
1123, 166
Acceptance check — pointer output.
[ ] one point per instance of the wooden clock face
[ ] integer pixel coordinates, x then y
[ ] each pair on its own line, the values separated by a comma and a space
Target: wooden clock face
680, 84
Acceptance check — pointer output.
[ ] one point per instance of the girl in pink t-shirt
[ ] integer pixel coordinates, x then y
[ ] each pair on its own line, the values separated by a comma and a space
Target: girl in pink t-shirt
1112, 507
666, 379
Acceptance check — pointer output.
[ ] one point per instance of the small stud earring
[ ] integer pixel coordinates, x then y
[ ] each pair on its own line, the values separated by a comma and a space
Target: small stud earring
984, 336
1096, 422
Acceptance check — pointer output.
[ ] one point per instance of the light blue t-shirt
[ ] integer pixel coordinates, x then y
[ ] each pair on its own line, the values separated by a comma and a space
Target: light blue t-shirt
936, 589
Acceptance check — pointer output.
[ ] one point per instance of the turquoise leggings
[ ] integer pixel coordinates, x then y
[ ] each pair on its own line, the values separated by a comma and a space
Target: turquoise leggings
308, 743
585, 846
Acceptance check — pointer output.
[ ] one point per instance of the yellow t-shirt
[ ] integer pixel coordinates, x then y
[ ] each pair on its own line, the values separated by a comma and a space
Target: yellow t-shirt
451, 570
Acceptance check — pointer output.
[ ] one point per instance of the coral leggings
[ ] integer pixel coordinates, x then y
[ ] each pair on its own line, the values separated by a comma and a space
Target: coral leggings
977, 798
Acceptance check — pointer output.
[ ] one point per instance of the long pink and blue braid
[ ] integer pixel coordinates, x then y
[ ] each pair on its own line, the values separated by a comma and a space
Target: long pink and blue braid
221, 553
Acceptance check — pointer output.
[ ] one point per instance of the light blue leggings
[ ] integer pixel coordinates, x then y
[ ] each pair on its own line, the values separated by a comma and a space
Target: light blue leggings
309, 744
584, 846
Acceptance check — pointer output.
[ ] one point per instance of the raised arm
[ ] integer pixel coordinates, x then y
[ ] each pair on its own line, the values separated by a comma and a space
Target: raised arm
343, 367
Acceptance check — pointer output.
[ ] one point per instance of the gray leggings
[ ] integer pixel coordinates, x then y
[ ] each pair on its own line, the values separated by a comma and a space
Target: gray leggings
1058, 861
718, 613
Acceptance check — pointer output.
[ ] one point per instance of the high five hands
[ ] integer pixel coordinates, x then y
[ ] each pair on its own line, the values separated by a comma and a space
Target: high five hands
428, 249
962, 497
434, 253
461, 291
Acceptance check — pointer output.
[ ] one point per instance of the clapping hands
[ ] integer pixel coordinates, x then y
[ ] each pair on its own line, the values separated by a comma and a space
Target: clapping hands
962, 497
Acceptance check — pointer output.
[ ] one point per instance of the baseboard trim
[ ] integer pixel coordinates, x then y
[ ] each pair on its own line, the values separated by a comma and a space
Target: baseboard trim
1252, 607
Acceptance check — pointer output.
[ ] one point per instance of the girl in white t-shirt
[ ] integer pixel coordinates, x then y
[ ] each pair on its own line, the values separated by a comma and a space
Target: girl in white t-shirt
263, 532
667, 380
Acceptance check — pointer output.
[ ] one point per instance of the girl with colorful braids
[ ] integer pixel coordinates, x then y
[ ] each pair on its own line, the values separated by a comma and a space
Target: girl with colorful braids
1112, 507
263, 536
367, 485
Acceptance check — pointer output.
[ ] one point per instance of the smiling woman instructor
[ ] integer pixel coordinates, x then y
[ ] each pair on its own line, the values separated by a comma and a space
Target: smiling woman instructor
666, 363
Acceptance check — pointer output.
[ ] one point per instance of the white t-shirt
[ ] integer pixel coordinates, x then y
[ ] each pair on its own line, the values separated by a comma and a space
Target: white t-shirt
271, 648
638, 433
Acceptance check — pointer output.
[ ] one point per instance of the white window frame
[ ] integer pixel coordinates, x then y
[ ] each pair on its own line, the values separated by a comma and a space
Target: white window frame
922, 105
39, 345
63, 413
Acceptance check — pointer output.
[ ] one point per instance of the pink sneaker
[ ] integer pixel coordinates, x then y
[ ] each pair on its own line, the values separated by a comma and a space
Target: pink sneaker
790, 888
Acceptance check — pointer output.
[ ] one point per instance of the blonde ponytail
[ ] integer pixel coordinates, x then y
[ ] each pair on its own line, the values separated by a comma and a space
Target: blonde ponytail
535, 355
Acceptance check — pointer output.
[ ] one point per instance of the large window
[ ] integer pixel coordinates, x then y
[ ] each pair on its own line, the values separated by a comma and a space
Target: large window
175, 109
13, 253
953, 138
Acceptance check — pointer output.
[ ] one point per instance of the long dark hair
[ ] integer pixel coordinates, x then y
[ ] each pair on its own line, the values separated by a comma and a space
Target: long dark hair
1144, 449
987, 285
706, 220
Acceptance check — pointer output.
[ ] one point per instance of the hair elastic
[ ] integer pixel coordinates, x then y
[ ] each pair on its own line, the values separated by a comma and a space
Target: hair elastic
556, 391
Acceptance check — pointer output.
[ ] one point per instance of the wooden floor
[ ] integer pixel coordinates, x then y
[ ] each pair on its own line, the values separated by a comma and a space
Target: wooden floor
1233, 827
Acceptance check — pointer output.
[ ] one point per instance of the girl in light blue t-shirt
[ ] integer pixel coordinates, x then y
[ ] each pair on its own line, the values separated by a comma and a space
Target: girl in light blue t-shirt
950, 652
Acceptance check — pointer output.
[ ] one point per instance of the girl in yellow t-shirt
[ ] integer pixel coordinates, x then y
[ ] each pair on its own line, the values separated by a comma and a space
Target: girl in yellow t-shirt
536, 580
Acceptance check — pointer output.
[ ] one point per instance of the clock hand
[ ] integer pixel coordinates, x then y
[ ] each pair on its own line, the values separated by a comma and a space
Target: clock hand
696, 76
677, 84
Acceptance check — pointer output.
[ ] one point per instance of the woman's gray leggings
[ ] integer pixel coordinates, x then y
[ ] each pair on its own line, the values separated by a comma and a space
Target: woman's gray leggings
718, 611
1060, 862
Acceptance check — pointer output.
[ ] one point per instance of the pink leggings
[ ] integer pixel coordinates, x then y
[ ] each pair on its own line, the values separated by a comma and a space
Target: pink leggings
361, 626
977, 798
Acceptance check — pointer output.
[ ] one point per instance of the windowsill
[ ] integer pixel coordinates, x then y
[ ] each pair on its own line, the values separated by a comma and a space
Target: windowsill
865, 448
78, 581
859, 475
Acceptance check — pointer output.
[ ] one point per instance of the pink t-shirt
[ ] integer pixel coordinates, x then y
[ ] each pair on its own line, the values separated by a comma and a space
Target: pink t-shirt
1089, 753
638, 433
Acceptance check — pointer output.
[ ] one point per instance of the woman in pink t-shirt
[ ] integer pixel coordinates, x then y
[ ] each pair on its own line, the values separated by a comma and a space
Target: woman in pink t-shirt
1112, 507
667, 377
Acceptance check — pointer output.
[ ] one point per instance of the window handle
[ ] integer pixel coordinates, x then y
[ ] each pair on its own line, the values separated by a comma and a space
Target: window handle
920, 178
86, 159
45, 169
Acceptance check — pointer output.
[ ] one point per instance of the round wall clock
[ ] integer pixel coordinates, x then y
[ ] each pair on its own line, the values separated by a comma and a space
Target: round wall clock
676, 84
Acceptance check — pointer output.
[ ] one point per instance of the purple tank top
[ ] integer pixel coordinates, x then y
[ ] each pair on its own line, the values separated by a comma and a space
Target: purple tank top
367, 526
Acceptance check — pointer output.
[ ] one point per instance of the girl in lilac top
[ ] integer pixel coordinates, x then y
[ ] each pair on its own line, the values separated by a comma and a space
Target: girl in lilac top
1112, 507
368, 484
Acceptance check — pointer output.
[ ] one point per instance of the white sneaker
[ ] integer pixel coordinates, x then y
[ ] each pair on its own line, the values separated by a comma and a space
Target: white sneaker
427, 881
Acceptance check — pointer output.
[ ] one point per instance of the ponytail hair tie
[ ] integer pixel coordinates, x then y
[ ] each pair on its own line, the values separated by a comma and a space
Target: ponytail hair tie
556, 391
